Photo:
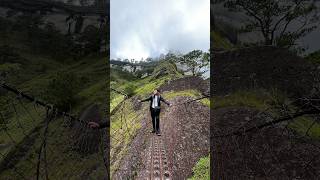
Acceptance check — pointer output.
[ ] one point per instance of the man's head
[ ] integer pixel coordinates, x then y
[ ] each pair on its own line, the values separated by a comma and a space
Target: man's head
156, 92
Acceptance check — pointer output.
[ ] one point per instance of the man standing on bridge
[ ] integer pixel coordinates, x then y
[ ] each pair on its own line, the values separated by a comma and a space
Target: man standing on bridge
155, 108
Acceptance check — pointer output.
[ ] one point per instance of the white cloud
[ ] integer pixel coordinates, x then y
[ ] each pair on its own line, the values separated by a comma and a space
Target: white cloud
147, 28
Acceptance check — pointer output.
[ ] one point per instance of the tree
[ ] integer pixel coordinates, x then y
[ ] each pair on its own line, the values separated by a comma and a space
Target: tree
173, 57
149, 59
196, 60
281, 22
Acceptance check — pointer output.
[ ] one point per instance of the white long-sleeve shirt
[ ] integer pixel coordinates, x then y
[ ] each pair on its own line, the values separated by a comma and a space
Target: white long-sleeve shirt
155, 101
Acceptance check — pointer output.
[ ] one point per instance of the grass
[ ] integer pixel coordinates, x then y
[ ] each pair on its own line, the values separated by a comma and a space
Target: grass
254, 99
62, 162
94, 93
201, 171
28, 121
187, 93
263, 100
205, 101
124, 125
303, 125
146, 86
219, 41
115, 101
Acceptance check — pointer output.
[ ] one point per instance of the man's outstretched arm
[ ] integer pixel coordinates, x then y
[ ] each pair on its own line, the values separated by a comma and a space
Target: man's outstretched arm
163, 100
148, 99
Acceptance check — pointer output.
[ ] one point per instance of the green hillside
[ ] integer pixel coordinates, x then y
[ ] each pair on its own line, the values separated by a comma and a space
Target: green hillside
41, 61
92, 73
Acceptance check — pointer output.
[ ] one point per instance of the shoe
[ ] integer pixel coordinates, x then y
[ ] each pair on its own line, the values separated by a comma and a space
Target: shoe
158, 134
153, 131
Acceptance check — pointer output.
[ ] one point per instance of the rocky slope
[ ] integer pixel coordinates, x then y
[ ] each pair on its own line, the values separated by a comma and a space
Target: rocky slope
254, 86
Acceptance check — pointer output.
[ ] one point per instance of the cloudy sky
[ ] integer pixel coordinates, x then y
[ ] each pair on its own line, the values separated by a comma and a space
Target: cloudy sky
148, 28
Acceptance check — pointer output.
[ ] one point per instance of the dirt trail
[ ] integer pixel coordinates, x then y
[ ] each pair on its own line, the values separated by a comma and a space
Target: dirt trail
158, 162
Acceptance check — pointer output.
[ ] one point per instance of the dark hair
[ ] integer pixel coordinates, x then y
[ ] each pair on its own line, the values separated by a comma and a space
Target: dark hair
158, 90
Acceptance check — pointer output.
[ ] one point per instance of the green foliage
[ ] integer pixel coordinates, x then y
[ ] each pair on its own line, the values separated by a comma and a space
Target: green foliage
125, 124
94, 93
145, 87
11, 124
115, 100
62, 89
277, 104
195, 61
187, 93
202, 169
119, 76
306, 126
219, 41
223, 31
255, 99
314, 57
145, 70
205, 101
165, 68
130, 89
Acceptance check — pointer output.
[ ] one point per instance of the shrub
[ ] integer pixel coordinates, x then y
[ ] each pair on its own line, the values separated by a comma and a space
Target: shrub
202, 169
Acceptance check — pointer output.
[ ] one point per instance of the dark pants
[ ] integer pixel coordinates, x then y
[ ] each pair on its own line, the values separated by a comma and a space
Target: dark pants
155, 119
